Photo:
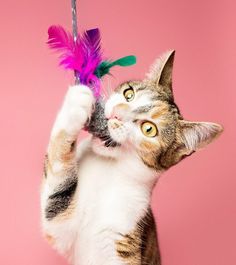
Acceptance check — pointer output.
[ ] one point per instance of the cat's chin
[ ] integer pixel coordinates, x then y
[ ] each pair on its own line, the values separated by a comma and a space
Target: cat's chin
99, 148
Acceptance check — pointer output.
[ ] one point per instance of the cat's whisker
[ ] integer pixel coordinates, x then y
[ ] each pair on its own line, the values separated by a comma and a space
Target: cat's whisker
109, 90
104, 93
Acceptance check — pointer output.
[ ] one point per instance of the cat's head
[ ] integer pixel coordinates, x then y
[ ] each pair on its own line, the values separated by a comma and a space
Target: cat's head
143, 116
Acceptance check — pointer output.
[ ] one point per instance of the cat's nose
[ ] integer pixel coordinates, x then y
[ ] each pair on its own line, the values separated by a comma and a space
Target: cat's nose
119, 112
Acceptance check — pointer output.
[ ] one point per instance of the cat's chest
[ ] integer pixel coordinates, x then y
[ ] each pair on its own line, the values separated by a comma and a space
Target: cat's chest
108, 197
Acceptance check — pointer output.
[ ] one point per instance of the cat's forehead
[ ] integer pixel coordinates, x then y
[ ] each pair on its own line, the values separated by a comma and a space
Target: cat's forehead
141, 87
136, 85
159, 104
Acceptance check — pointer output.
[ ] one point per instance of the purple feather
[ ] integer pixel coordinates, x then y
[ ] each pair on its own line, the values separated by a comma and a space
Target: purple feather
82, 56
92, 39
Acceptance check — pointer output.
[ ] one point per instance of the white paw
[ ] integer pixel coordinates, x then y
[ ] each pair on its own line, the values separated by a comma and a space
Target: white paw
80, 96
76, 109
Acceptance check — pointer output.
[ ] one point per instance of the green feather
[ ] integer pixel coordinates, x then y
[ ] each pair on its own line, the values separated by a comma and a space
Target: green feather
104, 67
125, 61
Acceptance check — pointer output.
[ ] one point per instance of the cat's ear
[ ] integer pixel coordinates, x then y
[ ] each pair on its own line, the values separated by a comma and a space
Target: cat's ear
160, 74
196, 135
191, 137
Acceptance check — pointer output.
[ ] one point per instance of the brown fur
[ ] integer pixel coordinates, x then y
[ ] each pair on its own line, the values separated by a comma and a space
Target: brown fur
140, 246
159, 111
61, 148
50, 239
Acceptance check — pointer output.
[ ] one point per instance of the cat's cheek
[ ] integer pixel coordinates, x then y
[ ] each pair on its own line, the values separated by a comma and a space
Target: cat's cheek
134, 135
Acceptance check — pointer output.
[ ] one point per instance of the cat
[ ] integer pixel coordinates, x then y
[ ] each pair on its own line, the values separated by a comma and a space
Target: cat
96, 193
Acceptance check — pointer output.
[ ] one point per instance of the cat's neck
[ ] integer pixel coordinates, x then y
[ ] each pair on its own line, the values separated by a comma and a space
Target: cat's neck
126, 163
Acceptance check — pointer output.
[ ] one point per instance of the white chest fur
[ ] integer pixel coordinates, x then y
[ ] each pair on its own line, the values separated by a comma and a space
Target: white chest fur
112, 197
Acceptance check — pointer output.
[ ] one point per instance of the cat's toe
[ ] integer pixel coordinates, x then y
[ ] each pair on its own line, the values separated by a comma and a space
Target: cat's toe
80, 96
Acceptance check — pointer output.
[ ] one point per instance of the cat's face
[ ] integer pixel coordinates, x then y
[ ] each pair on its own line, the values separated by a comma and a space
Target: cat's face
143, 116
139, 118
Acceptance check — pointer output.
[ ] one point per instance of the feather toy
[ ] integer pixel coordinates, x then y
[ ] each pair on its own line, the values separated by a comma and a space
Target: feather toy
84, 55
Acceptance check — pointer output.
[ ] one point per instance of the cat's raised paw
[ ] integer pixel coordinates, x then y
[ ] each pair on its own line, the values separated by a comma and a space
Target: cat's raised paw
76, 109
80, 95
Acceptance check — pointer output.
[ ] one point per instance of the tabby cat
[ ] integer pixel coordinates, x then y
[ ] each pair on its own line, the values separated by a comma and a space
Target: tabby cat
96, 193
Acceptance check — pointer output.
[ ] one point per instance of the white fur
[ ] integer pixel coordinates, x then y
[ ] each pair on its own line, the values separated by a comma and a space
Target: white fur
75, 111
117, 98
114, 188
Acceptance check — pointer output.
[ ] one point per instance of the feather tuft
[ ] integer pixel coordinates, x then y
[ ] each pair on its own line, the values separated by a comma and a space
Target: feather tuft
105, 66
83, 55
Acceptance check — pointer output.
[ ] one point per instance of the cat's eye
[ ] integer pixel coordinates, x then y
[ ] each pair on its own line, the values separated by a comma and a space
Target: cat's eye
129, 94
149, 129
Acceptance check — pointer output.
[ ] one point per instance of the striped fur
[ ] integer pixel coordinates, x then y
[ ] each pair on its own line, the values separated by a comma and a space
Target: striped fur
141, 246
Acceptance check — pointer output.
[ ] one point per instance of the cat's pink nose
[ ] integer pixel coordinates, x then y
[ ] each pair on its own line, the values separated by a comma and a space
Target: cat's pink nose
114, 116
119, 112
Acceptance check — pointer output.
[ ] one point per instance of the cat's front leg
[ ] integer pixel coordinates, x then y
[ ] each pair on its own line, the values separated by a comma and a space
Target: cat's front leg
75, 112
61, 169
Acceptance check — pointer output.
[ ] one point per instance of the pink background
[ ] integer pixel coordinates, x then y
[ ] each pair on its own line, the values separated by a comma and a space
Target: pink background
194, 202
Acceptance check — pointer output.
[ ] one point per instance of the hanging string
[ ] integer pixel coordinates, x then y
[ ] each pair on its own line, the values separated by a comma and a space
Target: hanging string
74, 31
104, 67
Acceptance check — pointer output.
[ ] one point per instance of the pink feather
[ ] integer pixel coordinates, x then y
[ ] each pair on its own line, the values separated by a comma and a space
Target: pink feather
82, 56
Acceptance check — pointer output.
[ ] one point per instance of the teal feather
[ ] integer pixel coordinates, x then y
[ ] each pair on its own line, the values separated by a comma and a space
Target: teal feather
105, 66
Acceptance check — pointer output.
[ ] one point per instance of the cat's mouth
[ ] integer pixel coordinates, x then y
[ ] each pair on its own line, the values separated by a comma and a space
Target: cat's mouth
106, 147
108, 141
